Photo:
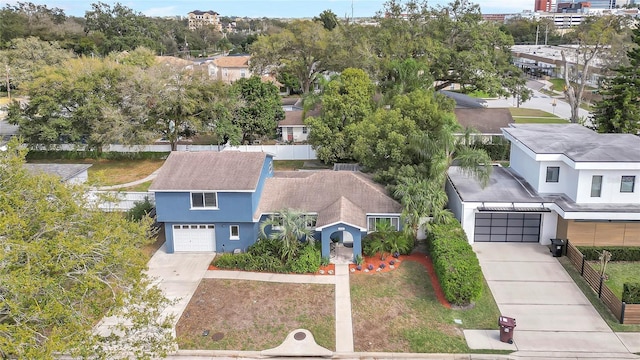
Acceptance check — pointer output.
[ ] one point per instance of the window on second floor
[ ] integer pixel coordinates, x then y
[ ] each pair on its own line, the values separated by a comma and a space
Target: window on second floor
204, 200
553, 173
627, 183
596, 185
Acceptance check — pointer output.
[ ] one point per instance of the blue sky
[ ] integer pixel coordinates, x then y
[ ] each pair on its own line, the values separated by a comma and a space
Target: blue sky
268, 8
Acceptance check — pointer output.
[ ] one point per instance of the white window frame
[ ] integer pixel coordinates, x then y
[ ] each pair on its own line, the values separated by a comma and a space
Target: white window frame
551, 179
204, 207
623, 183
599, 189
304, 130
376, 218
234, 237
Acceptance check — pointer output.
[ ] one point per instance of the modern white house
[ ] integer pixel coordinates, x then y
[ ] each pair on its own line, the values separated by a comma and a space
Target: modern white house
564, 181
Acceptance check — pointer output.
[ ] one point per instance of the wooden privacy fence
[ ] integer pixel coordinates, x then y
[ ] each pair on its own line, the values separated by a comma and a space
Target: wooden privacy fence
625, 313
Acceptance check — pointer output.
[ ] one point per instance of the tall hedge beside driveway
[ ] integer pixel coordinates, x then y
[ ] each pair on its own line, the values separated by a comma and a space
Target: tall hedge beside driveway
455, 263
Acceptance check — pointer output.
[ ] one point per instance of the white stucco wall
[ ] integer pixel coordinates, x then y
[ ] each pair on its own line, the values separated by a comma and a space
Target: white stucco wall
567, 180
525, 165
611, 180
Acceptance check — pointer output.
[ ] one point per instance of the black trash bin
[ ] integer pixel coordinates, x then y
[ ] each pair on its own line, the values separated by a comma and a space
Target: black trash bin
506, 325
557, 247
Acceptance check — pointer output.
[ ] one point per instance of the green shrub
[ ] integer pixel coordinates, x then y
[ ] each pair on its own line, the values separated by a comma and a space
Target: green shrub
308, 260
496, 151
618, 253
140, 209
388, 242
270, 247
455, 263
631, 293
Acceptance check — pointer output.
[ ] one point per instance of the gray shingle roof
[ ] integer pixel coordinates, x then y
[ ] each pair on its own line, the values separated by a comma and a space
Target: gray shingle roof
333, 195
577, 142
486, 121
210, 170
63, 171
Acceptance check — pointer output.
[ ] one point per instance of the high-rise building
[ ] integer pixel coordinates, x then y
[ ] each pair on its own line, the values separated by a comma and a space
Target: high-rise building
543, 5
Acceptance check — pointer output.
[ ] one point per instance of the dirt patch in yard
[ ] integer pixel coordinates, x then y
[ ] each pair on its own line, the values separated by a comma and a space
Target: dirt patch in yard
255, 315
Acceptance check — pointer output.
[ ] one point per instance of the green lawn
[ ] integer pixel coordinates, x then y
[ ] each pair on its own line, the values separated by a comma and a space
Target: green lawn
593, 298
288, 164
558, 85
112, 172
534, 116
515, 112
398, 312
537, 120
618, 273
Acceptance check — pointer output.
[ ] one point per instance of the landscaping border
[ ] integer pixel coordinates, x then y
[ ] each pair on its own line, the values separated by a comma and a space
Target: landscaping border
625, 313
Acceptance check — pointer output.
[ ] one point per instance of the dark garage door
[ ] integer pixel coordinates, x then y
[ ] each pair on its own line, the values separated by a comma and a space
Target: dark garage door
507, 227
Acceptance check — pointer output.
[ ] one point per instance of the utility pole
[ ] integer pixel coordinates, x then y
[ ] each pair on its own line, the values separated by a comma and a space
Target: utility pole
8, 84
546, 33
537, 32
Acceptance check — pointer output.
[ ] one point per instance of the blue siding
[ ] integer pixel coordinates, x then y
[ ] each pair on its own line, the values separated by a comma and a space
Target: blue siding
223, 234
266, 172
355, 233
175, 207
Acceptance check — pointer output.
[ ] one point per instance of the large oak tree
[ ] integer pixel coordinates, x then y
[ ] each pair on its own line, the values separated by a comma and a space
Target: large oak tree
64, 265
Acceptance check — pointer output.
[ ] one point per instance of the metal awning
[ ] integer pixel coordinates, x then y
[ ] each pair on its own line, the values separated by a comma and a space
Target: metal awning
513, 209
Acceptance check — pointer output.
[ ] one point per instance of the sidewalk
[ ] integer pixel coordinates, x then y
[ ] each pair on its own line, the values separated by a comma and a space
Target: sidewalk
132, 183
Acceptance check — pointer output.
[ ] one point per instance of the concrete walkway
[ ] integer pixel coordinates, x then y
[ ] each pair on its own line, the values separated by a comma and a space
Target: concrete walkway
344, 325
152, 176
552, 314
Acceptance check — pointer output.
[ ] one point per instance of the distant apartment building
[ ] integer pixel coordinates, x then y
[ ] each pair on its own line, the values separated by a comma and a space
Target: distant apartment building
543, 5
199, 19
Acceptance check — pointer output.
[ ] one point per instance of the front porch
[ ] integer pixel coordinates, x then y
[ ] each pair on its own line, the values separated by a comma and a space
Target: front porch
341, 243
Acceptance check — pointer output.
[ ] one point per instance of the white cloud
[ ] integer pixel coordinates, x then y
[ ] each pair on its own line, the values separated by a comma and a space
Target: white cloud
162, 11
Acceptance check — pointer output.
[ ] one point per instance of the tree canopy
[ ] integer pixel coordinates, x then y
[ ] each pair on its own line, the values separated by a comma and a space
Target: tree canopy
64, 265
619, 110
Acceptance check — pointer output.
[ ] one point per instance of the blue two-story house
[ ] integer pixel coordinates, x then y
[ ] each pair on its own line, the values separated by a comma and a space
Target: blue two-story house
215, 201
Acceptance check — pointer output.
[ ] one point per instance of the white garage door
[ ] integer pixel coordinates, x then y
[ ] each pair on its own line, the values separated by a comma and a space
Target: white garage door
194, 237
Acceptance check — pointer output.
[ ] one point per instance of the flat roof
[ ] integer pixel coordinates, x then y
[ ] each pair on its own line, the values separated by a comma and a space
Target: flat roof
576, 142
503, 186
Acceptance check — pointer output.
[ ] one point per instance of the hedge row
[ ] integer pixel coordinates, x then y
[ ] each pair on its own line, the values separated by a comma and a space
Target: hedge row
631, 293
264, 256
497, 152
618, 253
455, 263
79, 155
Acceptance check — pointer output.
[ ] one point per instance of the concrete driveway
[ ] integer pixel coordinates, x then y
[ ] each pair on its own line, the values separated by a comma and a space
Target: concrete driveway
552, 314
178, 275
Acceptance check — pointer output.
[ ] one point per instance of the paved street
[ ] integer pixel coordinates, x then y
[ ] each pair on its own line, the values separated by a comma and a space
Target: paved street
539, 101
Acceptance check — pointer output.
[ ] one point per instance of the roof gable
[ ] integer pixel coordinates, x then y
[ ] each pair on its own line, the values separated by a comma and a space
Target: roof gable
210, 170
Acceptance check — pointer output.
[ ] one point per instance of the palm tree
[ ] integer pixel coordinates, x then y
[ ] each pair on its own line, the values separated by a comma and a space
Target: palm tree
426, 196
445, 148
290, 227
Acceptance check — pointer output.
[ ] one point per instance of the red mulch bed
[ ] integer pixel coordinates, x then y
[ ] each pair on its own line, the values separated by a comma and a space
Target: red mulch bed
416, 256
